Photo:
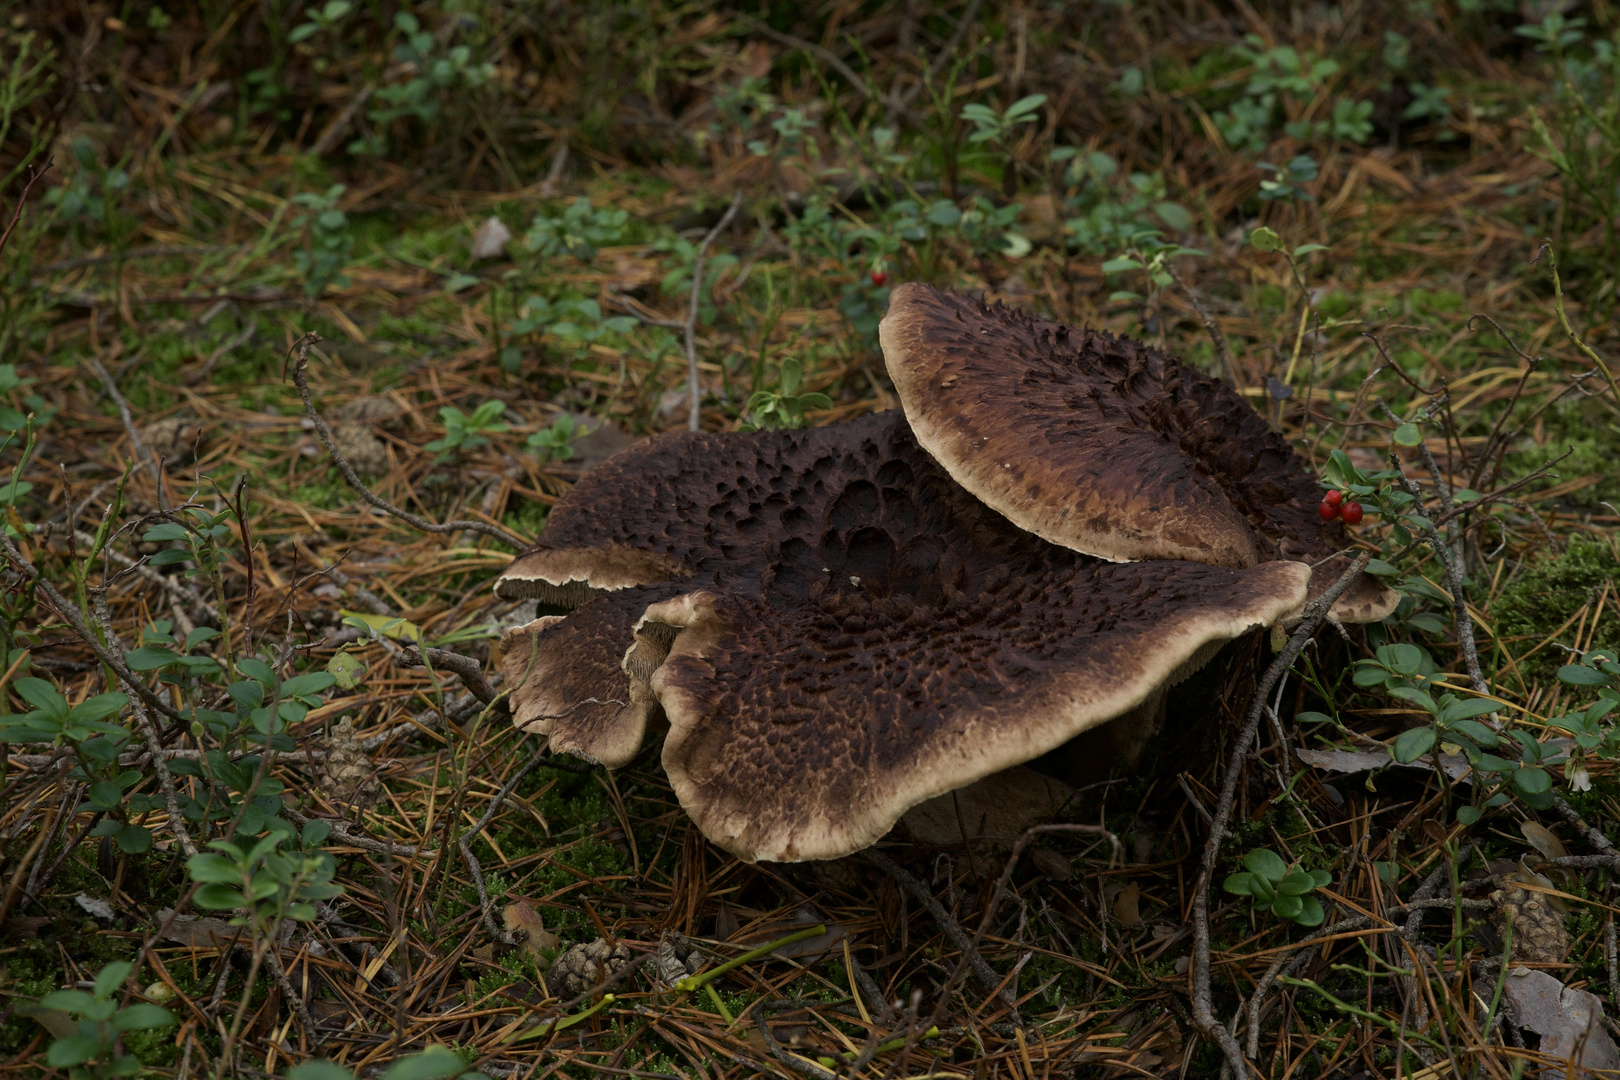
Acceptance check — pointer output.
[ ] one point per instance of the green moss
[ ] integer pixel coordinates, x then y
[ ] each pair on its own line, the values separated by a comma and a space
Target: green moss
1589, 455
1547, 592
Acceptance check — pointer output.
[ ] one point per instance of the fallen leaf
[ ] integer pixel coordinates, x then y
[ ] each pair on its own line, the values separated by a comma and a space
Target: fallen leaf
1542, 839
1570, 1022
1052, 864
58, 1023
490, 239
200, 931
388, 626
520, 918
725, 922
1354, 761
96, 906
1124, 907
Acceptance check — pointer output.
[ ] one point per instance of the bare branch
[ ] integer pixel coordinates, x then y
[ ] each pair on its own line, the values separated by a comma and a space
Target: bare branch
694, 405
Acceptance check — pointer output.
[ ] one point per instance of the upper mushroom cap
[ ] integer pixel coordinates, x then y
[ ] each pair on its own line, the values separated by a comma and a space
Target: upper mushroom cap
1094, 442
849, 632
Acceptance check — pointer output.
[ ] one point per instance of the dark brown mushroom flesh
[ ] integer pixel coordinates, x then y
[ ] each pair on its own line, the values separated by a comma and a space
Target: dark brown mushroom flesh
839, 631
1103, 445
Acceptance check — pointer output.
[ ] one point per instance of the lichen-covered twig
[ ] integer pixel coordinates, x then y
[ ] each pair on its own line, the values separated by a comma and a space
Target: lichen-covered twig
1211, 327
300, 375
1203, 1010
465, 668
486, 906
694, 405
150, 459
70, 612
341, 834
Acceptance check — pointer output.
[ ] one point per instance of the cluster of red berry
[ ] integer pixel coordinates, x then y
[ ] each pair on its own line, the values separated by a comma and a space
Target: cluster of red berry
879, 278
1334, 506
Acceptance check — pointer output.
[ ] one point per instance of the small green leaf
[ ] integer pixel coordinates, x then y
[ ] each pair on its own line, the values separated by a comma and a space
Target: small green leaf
1297, 883
1119, 265
1240, 884
1577, 675
111, 977
1312, 718
1468, 815
1266, 863
1310, 912
134, 839
1307, 249
1175, 216
1265, 239
150, 658
73, 1050
434, 1063
213, 868
1287, 907
1533, 781
1382, 568
141, 1016
319, 1070
1413, 744
1408, 435
73, 1001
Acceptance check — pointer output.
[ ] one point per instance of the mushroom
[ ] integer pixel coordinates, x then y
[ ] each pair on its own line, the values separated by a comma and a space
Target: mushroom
840, 623
835, 630
1105, 446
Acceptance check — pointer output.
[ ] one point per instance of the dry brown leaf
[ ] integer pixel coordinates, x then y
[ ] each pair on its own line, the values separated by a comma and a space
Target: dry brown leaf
1125, 906
521, 918
1542, 839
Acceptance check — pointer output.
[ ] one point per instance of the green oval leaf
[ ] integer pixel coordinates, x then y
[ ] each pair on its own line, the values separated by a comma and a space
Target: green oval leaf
1577, 675
1413, 744
1266, 863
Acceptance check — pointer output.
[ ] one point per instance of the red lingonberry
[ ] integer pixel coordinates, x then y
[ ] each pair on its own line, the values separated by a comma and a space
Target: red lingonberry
1333, 498
879, 278
1328, 510
1351, 513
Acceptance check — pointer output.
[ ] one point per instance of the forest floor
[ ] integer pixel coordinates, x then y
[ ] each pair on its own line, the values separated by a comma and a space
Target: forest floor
1402, 224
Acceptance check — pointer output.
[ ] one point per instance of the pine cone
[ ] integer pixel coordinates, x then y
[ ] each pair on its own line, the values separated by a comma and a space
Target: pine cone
1538, 929
585, 966
361, 448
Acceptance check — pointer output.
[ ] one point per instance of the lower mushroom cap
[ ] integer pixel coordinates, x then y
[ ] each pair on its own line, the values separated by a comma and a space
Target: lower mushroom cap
804, 731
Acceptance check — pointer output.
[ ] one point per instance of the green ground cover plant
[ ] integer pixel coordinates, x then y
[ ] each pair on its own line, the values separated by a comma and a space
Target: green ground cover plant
262, 809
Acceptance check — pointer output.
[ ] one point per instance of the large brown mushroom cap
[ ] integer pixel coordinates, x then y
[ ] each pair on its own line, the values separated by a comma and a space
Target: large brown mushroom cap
806, 731
1103, 445
835, 586
1094, 442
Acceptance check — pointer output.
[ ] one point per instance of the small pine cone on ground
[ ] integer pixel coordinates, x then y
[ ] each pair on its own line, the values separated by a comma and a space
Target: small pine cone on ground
1539, 934
585, 966
361, 448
